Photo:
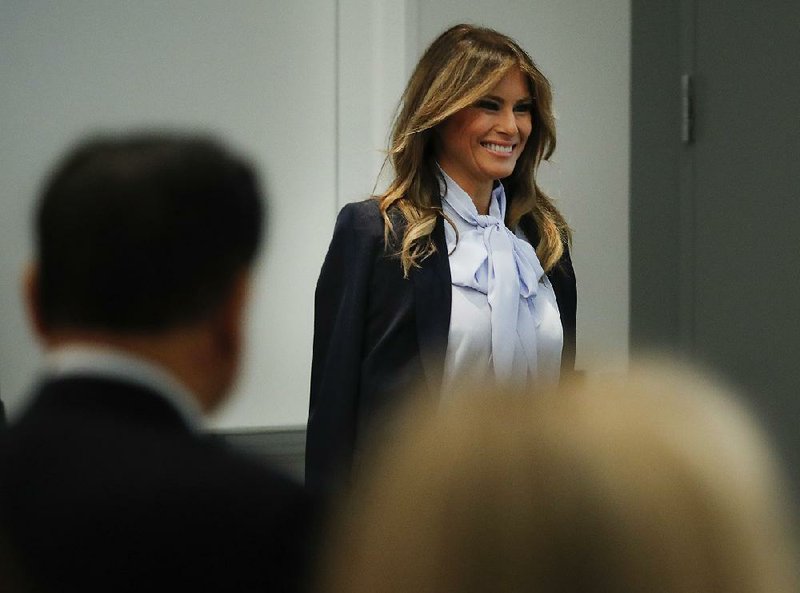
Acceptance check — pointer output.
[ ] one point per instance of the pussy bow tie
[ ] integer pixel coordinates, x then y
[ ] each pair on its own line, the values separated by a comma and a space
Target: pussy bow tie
493, 260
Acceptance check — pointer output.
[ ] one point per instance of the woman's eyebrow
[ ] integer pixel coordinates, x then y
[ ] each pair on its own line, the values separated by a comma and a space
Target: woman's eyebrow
525, 99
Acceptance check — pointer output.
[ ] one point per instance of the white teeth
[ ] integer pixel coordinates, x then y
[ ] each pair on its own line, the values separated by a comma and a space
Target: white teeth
497, 147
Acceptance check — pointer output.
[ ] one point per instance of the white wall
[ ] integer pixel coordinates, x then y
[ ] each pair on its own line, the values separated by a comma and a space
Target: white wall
260, 74
307, 89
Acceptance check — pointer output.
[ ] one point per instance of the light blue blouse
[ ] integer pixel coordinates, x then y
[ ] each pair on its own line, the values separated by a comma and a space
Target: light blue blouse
504, 321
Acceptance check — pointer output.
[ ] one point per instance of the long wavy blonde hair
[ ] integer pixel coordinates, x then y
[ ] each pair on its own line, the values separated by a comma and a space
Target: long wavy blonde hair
458, 68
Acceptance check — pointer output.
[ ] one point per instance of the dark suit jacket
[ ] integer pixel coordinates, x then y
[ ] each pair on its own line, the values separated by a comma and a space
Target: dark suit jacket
376, 333
104, 488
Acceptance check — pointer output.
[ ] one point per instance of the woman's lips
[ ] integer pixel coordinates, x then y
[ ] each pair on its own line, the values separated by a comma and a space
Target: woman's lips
499, 149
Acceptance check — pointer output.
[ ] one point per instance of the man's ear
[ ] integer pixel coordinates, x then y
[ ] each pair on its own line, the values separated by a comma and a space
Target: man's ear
232, 312
227, 333
32, 297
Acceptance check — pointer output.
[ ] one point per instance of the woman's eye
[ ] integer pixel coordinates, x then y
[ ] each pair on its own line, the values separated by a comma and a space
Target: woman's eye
488, 104
523, 108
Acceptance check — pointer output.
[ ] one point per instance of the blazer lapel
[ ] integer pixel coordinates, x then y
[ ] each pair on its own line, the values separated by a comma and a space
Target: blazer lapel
432, 296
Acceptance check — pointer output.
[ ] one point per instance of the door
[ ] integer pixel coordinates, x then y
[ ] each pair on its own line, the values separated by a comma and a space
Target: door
730, 197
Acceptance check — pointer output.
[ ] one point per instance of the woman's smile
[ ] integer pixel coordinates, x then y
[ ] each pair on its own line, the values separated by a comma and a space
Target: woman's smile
500, 149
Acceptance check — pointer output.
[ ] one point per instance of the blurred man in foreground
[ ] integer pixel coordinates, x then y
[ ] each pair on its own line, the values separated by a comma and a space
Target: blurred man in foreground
144, 250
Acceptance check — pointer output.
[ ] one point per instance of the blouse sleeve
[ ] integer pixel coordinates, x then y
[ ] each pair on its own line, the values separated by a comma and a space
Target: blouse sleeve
341, 300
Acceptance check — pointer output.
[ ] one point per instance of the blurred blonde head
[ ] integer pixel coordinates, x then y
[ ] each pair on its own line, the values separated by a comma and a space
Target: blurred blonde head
659, 482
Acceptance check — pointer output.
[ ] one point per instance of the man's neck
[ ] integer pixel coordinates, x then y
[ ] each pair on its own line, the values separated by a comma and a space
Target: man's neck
83, 359
176, 353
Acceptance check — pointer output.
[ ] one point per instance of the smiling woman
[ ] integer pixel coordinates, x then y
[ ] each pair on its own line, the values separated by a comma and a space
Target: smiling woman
482, 143
460, 271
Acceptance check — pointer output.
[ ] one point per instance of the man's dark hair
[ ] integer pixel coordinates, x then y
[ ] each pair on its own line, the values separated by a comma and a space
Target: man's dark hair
144, 233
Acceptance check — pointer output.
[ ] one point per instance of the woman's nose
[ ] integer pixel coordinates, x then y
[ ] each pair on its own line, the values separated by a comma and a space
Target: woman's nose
507, 122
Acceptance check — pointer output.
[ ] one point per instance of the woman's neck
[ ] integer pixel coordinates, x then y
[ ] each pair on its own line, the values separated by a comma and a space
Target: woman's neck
481, 199
479, 192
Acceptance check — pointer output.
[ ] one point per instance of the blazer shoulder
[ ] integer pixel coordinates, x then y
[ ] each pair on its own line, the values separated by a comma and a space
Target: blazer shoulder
565, 262
364, 216
365, 222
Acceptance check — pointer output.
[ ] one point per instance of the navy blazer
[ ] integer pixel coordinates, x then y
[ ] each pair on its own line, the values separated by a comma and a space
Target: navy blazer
103, 487
378, 334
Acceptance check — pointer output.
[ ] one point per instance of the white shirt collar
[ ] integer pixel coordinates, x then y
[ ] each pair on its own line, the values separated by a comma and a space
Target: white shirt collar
112, 363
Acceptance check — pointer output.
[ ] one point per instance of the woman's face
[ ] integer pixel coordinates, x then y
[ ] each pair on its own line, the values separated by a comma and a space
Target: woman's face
482, 142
